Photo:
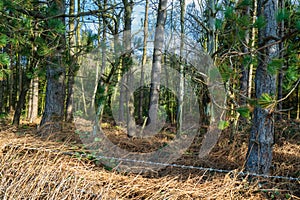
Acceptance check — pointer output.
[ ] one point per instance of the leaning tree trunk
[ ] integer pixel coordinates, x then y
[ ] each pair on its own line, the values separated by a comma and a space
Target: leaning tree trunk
259, 155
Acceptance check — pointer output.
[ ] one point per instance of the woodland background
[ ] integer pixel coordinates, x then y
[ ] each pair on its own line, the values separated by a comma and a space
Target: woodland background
61, 62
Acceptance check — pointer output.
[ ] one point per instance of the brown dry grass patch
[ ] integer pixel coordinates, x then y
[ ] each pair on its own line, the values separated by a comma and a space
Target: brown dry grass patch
32, 168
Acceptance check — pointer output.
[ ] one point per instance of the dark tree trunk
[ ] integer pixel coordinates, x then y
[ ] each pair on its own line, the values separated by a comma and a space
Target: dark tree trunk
72, 65
259, 155
1, 95
144, 60
22, 99
53, 115
244, 68
281, 55
6, 94
55, 93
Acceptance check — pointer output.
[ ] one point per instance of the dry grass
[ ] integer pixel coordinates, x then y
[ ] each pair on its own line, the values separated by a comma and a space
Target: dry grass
32, 168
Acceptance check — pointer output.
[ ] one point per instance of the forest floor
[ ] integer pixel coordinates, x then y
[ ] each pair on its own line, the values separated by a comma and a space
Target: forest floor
37, 168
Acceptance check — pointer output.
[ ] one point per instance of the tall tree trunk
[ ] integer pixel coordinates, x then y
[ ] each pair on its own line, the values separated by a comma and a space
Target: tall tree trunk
122, 102
181, 68
144, 61
33, 100
6, 93
298, 102
55, 92
253, 34
157, 64
126, 65
22, 97
83, 97
259, 155
1, 95
244, 69
12, 97
72, 68
211, 46
281, 56
54, 109
211, 49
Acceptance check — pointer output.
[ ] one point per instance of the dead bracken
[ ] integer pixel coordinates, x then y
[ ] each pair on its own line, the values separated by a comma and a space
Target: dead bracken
35, 168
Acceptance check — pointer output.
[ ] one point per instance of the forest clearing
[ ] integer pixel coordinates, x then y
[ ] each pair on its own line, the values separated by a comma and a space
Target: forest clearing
149, 99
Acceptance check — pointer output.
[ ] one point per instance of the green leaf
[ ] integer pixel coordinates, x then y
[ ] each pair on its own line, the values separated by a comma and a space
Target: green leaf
30, 75
274, 65
57, 26
247, 60
244, 20
260, 22
44, 50
223, 125
291, 75
4, 59
226, 72
244, 112
283, 14
230, 13
4, 72
3, 40
1, 5
219, 24
1, 75
266, 101
298, 25
245, 3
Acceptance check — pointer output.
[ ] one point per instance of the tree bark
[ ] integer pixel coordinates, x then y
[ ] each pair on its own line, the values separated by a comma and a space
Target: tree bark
181, 68
244, 69
144, 61
281, 56
53, 115
1, 95
55, 92
211, 46
298, 102
157, 64
126, 65
33, 100
259, 155
22, 97
12, 96
72, 68
253, 34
